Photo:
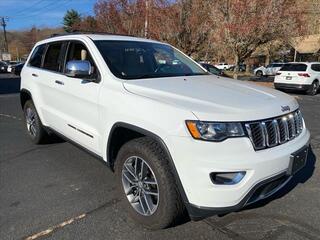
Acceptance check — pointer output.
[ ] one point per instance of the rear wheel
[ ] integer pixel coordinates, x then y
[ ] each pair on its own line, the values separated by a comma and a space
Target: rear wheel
34, 126
313, 88
146, 184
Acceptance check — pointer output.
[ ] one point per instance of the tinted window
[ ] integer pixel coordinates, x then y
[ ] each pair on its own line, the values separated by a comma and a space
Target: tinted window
78, 51
277, 65
213, 69
135, 60
36, 57
53, 60
294, 67
315, 67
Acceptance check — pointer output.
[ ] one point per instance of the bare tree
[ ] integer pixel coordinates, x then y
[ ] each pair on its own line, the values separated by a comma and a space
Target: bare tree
247, 24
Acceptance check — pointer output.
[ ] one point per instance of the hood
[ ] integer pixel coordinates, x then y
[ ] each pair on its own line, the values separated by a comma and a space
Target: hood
213, 98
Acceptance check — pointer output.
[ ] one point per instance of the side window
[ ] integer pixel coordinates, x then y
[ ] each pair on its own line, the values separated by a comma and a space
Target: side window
53, 60
315, 67
36, 57
78, 51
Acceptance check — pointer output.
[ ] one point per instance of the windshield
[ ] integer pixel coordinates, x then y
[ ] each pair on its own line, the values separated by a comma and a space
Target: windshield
136, 60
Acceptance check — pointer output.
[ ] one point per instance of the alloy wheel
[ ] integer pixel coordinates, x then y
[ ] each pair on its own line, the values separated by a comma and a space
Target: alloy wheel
314, 88
31, 122
140, 185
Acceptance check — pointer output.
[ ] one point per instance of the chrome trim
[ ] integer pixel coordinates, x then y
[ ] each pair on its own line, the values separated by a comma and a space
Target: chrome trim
277, 130
285, 128
265, 135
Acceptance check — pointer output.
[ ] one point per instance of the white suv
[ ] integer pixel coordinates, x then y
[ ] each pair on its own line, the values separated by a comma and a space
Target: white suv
299, 76
178, 138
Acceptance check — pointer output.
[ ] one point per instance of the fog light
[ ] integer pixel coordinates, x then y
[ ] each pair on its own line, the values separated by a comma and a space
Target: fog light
226, 178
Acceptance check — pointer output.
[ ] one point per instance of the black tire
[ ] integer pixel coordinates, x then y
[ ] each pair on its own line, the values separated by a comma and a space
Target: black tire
170, 206
38, 133
259, 73
313, 88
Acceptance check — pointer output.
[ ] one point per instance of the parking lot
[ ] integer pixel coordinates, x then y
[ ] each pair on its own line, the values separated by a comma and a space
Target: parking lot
57, 191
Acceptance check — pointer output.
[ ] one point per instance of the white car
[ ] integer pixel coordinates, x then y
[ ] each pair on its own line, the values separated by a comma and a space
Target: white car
269, 70
299, 76
176, 136
223, 66
11, 66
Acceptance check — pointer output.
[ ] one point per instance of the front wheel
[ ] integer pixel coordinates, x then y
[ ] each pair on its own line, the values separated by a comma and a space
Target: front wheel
146, 184
313, 88
259, 73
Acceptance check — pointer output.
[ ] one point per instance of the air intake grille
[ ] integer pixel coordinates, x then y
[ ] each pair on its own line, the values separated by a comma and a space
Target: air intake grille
273, 132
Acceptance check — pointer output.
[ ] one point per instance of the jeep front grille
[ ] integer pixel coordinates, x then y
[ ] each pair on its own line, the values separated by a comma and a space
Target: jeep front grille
272, 132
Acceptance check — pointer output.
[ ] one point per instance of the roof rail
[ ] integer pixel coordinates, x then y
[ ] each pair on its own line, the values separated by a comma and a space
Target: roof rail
87, 32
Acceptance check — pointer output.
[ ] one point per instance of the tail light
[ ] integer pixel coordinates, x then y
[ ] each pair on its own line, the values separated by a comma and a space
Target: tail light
303, 74
278, 73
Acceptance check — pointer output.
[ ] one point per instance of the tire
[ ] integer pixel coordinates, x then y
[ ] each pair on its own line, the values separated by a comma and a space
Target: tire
259, 73
165, 208
33, 123
313, 88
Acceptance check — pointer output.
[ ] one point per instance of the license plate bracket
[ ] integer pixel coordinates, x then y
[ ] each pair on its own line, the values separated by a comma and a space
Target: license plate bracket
298, 160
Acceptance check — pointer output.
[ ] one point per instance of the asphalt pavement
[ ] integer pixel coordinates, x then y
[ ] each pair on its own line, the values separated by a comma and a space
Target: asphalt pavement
57, 191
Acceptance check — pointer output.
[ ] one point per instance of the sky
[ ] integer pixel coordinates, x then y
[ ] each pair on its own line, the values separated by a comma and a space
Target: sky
23, 14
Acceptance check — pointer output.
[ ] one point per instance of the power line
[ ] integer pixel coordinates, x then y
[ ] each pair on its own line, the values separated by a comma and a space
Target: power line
27, 8
49, 6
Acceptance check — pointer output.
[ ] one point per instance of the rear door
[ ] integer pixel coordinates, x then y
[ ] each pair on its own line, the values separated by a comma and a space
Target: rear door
43, 69
49, 79
276, 68
315, 71
268, 70
79, 100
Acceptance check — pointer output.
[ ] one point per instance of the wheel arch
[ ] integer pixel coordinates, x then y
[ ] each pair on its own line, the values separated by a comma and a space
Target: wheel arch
135, 131
25, 95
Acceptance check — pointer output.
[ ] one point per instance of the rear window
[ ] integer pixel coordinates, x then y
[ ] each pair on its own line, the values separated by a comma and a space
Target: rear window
297, 67
36, 57
52, 60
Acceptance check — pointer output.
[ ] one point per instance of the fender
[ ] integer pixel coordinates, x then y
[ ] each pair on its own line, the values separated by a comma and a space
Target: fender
158, 140
22, 98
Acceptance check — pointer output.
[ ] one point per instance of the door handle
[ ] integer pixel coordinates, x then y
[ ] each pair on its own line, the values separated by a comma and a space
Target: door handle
34, 75
59, 82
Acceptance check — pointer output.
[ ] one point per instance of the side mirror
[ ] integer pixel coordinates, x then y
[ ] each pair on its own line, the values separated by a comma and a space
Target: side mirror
78, 68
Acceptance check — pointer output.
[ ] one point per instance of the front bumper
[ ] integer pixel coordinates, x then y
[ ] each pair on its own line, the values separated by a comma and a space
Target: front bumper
288, 86
195, 160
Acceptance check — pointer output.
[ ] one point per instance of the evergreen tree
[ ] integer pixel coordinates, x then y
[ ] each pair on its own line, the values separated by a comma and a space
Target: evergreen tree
70, 19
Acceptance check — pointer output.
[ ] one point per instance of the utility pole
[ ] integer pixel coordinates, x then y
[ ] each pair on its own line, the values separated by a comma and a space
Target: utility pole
146, 20
4, 24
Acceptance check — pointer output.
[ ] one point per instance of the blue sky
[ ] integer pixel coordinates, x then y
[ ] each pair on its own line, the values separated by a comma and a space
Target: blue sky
23, 14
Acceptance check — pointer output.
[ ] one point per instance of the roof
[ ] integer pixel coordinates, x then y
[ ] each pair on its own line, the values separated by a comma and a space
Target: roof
306, 44
95, 37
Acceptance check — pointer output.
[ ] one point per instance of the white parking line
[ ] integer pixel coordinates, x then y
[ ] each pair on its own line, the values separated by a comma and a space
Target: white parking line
10, 116
51, 229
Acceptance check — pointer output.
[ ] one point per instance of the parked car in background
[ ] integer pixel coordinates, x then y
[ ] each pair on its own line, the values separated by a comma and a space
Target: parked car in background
299, 76
16, 69
269, 70
3, 67
212, 69
10, 66
223, 66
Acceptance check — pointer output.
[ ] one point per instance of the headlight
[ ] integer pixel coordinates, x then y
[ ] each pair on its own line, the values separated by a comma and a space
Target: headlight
214, 131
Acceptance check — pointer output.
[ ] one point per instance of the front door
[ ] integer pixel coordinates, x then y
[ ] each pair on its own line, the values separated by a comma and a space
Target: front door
80, 101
